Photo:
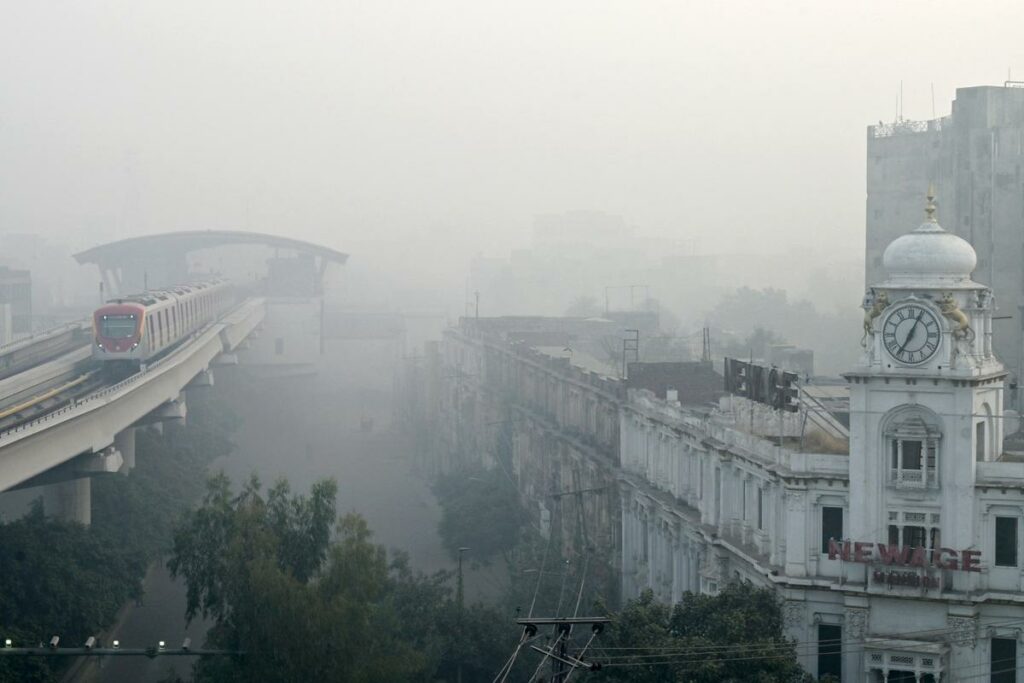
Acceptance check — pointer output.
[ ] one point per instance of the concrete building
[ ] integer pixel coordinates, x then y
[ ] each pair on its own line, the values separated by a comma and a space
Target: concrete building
974, 157
16, 303
536, 397
898, 557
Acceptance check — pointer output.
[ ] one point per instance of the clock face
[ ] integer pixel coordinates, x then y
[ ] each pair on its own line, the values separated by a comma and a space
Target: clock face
911, 334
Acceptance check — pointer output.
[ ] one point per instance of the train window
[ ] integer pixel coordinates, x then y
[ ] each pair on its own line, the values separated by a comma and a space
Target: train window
118, 326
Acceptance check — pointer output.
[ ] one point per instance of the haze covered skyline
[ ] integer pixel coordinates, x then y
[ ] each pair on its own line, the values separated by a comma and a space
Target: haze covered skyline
431, 132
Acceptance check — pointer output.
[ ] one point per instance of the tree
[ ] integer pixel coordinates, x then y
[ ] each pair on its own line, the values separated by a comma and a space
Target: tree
300, 607
733, 636
480, 509
60, 578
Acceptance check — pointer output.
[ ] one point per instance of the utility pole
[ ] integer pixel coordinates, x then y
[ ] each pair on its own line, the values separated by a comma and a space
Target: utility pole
459, 599
558, 652
630, 344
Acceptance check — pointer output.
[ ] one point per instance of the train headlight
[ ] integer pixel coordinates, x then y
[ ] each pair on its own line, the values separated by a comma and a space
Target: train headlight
135, 345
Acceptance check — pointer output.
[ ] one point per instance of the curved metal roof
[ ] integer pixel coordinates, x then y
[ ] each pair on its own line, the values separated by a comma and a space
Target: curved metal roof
191, 240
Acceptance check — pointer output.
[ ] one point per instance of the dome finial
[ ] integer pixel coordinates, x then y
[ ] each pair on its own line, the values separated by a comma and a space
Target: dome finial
929, 208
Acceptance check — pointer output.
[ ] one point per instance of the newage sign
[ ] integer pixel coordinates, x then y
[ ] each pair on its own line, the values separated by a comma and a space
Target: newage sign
905, 556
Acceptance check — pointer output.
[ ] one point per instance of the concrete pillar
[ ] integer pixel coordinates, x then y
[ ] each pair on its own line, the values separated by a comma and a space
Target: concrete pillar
72, 500
124, 442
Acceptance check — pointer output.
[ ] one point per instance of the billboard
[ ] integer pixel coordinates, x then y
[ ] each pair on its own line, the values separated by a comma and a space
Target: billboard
768, 385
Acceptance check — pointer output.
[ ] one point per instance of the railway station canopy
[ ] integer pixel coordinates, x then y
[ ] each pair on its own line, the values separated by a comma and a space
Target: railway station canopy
160, 260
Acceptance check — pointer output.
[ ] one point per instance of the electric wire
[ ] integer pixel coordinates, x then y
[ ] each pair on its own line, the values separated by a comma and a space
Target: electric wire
583, 581
561, 591
701, 651
580, 657
692, 659
540, 572
547, 654
507, 669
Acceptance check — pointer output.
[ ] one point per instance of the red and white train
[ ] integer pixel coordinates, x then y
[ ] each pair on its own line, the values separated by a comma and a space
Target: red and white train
140, 327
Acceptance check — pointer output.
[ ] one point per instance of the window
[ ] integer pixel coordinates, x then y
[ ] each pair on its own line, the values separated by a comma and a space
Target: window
914, 536
718, 496
700, 479
118, 326
645, 542
906, 454
760, 509
1004, 660
1006, 541
831, 526
915, 529
979, 442
279, 346
913, 453
830, 651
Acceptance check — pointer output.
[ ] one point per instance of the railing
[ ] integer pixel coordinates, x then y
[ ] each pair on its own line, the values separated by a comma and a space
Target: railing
912, 479
43, 334
213, 329
885, 130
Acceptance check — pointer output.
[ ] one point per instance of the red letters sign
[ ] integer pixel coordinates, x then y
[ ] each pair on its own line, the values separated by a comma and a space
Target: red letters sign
905, 556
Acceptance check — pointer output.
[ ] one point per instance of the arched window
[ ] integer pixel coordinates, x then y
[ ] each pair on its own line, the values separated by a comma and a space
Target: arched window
983, 434
912, 443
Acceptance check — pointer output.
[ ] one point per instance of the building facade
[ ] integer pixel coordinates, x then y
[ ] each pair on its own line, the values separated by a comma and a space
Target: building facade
551, 425
974, 157
898, 560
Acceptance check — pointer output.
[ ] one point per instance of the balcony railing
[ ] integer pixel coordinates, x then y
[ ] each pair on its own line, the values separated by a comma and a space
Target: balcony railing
913, 479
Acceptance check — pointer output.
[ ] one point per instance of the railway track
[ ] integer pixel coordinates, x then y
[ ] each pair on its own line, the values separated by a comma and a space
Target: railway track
40, 400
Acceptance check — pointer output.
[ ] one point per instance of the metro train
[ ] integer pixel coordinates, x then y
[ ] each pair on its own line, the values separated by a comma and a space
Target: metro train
135, 329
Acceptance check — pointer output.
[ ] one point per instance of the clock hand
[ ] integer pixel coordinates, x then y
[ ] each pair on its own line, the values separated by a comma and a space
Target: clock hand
910, 335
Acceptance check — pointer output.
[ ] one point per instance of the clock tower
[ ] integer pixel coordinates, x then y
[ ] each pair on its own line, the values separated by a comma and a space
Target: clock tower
926, 398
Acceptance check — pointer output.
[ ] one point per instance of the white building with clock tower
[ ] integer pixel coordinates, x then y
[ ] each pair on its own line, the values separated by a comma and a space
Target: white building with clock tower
926, 430
897, 557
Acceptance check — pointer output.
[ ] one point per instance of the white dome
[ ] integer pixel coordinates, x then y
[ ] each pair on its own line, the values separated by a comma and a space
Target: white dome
929, 256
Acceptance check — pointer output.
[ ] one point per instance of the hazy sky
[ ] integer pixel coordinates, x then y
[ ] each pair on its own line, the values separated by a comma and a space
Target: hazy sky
442, 127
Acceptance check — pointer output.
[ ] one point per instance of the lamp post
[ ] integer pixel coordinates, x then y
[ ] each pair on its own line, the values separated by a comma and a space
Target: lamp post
459, 599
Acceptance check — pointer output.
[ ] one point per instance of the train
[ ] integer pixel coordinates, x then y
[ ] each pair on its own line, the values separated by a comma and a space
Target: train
133, 330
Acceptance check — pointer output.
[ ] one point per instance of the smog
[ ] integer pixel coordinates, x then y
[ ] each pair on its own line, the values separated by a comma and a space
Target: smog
475, 341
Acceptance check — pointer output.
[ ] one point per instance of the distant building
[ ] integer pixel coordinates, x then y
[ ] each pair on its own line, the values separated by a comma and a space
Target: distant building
789, 357
975, 157
16, 300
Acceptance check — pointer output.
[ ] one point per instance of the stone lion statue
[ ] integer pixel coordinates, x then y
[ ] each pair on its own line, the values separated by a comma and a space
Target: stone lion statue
879, 304
950, 309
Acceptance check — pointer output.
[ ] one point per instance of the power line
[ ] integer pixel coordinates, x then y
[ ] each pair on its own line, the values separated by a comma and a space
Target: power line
879, 644
786, 646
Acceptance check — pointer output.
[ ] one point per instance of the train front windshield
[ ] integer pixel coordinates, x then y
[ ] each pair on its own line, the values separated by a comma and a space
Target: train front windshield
118, 326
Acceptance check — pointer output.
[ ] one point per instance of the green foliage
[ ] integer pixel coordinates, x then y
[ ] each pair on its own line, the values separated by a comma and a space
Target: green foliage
69, 580
59, 579
733, 636
480, 509
263, 568
138, 511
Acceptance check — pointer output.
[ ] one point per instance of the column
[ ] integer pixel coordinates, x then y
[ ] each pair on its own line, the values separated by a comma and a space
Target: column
124, 442
73, 500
